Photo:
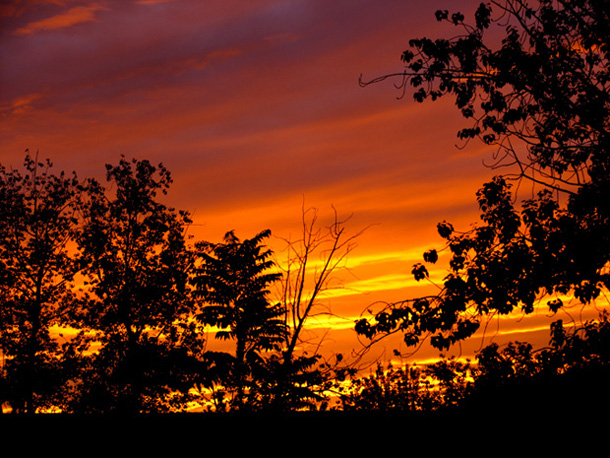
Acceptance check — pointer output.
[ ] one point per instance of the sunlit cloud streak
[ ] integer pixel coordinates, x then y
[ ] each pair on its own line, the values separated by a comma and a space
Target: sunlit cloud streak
73, 16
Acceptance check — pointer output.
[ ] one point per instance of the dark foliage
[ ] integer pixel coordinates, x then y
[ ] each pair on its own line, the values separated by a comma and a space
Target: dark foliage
389, 389
139, 343
136, 301
567, 377
39, 214
130, 302
232, 279
541, 97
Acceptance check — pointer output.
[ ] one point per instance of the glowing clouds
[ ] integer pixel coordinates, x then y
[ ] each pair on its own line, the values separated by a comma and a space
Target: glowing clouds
73, 16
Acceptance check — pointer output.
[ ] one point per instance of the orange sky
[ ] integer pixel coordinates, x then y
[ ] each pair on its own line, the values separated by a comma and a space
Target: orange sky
255, 107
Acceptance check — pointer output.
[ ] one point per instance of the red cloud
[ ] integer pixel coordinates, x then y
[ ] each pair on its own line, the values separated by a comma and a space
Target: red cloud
73, 16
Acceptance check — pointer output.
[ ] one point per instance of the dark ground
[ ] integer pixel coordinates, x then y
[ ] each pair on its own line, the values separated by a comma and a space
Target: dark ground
569, 416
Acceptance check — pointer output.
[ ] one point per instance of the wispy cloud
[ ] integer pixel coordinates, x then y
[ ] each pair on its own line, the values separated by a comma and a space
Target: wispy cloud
21, 105
73, 16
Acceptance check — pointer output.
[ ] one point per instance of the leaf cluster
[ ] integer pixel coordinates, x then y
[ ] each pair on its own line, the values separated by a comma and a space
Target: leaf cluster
510, 262
515, 376
541, 96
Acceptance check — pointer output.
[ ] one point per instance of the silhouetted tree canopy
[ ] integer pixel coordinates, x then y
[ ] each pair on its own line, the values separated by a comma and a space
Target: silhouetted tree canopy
232, 279
274, 366
104, 309
38, 221
533, 77
138, 302
567, 377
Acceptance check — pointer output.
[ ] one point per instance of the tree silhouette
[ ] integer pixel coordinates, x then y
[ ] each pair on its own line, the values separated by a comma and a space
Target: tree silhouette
233, 279
38, 221
388, 389
576, 363
541, 97
312, 261
426, 388
137, 304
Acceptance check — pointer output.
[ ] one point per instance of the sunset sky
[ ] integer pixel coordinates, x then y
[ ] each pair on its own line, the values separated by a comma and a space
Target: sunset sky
255, 108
